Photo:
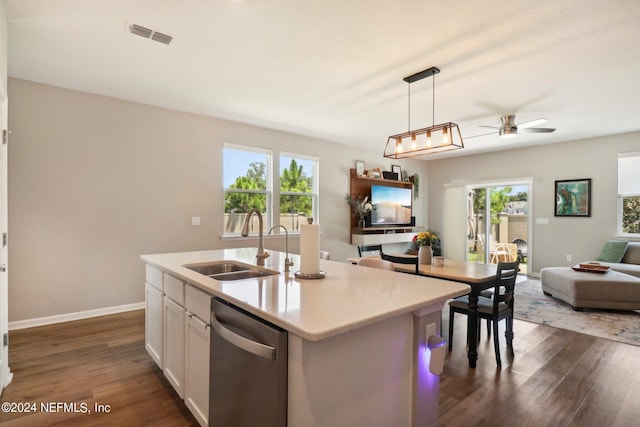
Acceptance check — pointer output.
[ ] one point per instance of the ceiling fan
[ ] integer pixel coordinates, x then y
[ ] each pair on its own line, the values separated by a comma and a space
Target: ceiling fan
509, 129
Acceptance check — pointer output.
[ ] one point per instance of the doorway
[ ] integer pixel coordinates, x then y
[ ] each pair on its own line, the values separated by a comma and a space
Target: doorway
498, 223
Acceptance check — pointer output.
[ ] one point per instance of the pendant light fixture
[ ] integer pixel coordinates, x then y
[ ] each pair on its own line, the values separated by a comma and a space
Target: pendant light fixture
429, 140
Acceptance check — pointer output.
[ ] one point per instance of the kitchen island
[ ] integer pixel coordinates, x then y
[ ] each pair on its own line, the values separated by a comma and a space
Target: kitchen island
357, 345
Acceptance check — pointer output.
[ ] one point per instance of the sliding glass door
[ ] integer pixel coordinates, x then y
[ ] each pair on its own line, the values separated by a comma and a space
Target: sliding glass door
498, 223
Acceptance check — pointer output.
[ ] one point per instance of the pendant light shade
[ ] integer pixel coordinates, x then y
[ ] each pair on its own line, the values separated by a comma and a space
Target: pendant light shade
432, 139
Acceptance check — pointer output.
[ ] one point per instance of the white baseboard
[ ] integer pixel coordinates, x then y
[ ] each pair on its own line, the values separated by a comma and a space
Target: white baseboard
59, 318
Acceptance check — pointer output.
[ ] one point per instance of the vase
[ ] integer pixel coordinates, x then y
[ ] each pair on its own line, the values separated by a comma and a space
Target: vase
425, 254
361, 223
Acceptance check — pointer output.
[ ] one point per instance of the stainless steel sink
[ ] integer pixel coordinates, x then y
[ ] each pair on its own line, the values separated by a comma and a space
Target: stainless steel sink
229, 270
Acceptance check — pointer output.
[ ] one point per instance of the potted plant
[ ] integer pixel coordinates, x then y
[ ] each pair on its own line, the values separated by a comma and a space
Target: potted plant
425, 241
360, 206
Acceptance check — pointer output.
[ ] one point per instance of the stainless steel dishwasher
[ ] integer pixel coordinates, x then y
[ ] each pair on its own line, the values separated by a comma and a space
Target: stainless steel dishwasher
248, 369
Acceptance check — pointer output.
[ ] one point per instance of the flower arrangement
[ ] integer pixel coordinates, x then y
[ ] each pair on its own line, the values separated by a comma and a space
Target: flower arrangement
359, 206
426, 238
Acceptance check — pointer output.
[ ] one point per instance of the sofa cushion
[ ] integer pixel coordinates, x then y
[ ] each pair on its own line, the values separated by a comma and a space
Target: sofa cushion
632, 255
613, 251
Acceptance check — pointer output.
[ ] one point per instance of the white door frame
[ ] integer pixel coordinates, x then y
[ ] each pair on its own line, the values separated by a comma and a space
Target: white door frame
5, 373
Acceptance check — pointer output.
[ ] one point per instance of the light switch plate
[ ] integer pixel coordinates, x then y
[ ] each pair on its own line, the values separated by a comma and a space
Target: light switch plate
195, 220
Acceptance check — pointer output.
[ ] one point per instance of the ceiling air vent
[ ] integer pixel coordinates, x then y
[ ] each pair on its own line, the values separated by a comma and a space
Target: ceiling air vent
147, 33
162, 38
140, 31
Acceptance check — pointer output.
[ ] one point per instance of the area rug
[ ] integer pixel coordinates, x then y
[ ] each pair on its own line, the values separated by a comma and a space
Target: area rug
532, 305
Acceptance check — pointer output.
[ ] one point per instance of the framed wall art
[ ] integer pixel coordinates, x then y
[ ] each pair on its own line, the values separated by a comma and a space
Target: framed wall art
573, 197
359, 168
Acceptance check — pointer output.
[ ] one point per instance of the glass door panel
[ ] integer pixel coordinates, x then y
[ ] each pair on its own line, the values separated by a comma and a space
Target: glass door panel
498, 224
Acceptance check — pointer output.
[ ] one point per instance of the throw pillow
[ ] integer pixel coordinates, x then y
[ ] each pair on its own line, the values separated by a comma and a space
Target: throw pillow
613, 251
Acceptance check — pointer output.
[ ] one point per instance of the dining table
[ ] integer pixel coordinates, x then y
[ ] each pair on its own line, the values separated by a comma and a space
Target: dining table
478, 276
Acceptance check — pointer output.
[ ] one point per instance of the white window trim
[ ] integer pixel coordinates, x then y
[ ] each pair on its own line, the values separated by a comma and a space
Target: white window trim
619, 232
268, 219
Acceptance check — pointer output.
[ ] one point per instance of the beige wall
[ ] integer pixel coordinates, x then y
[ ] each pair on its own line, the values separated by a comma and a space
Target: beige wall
594, 158
3, 53
94, 182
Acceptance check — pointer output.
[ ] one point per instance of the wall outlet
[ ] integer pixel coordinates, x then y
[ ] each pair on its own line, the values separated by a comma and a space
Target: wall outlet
569, 257
195, 220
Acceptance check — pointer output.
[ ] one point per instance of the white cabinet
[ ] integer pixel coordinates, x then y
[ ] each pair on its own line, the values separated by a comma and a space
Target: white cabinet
153, 325
177, 327
196, 391
174, 315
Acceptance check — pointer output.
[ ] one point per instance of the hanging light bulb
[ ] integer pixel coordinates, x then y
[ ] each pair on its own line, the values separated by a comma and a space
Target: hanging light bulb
445, 136
399, 145
429, 143
413, 141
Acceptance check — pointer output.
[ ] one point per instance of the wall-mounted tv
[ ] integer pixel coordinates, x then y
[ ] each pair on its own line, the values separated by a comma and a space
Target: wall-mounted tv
391, 205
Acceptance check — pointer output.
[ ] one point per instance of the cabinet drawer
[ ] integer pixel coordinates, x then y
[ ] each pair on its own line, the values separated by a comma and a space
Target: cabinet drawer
154, 277
198, 303
174, 289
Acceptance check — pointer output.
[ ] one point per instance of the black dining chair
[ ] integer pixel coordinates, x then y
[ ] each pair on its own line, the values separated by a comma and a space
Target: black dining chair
492, 309
369, 248
402, 260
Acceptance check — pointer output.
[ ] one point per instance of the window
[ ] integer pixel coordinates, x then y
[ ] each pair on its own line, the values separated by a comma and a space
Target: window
247, 185
250, 184
298, 190
629, 193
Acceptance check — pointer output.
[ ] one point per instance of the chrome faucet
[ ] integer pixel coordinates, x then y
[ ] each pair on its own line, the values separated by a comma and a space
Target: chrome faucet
262, 254
287, 262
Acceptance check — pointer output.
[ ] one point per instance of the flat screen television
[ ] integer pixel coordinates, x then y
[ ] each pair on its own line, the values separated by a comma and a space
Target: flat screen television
391, 206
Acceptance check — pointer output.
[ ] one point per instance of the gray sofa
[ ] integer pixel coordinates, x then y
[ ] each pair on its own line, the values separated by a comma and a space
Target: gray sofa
630, 263
618, 289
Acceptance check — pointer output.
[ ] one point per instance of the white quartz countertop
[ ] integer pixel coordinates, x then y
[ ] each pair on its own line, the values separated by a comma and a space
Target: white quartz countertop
348, 297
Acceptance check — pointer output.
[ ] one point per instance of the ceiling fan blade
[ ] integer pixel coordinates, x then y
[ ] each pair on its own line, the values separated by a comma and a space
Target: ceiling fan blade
490, 127
482, 134
531, 123
538, 130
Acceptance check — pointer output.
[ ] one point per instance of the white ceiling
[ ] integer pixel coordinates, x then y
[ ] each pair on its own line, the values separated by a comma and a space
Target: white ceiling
333, 68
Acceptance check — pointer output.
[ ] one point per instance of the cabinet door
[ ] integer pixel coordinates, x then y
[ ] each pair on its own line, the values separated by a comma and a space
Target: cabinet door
174, 344
196, 392
153, 323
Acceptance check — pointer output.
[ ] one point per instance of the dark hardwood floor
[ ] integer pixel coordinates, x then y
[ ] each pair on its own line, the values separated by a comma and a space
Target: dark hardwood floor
557, 378
101, 360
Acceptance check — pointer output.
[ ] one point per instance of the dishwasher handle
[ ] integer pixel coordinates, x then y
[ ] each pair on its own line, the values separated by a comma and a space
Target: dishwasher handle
254, 347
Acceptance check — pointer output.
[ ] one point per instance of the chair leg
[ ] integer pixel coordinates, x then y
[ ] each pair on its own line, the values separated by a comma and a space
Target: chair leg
509, 334
488, 328
496, 343
451, 314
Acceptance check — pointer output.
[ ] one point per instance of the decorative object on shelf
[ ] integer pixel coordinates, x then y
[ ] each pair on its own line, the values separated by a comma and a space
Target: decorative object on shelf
361, 207
374, 173
429, 140
573, 197
397, 169
416, 185
359, 168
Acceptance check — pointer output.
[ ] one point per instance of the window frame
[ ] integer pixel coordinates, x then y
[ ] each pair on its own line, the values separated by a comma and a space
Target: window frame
622, 196
268, 218
315, 197
273, 171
